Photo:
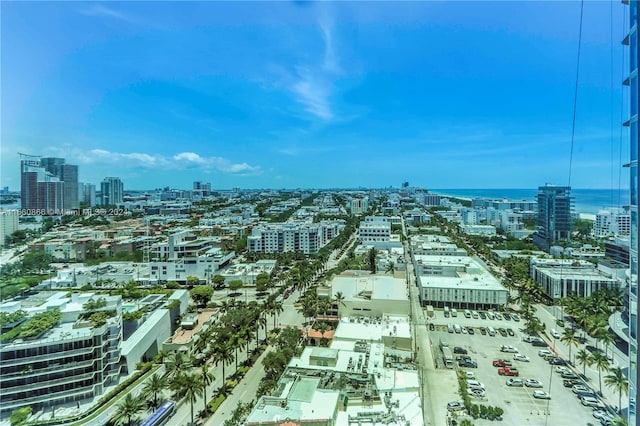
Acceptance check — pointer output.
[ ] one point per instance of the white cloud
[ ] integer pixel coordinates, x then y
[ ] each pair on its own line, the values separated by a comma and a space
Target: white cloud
178, 161
106, 12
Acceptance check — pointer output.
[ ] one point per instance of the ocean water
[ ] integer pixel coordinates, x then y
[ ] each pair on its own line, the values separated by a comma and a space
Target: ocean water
586, 200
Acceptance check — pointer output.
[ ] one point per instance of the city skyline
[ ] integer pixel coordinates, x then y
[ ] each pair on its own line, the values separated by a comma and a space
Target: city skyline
451, 95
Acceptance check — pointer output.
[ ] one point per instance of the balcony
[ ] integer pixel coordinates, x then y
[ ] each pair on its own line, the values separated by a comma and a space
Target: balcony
52, 356
67, 366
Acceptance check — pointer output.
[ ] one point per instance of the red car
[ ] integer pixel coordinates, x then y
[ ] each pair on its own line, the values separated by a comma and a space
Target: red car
501, 363
506, 371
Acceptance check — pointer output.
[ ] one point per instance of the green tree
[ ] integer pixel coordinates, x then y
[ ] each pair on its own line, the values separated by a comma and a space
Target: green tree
218, 281
235, 285
570, 339
207, 378
262, 282
190, 387
192, 280
20, 415
618, 382
373, 255
128, 408
600, 361
202, 294
177, 363
154, 386
584, 358
583, 227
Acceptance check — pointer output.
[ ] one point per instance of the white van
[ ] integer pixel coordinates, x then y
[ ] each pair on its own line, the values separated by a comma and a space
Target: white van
446, 312
474, 314
491, 331
450, 328
457, 329
490, 315
454, 313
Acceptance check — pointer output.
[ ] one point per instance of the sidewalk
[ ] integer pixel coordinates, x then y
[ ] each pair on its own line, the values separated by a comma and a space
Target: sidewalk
608, 395
244, 392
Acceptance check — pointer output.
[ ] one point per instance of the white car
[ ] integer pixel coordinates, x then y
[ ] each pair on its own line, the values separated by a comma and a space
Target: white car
475, 384
498, 316
455, 406
541, 394
476, 392
589, 401
555, 334
470, 375
514, 382
562, 369
508, 348
533, 383
545, 352
520, 357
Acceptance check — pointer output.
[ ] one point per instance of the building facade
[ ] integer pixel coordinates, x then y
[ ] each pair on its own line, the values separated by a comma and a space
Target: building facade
8, 224
306, 238
73, 361
112, 190
555, 205
632, 294
614, 221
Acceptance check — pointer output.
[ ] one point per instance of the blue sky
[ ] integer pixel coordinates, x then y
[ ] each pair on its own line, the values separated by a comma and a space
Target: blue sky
298, 94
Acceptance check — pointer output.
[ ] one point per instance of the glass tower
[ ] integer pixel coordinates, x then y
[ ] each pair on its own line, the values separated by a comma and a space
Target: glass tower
632, 81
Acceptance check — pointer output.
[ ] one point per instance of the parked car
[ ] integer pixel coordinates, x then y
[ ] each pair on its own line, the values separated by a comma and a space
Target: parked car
520, 357
483, 331
506, 316
533, 383
470, 330
580, 388
569, 383
502, 331
562, 369
590, 401
470, 375
539, 343
508, 371
515, 317
501, 363
475, 384
545, 352
555, 334
498, 315
541, 394
482, 315
468, 363
510, 332
455, 406
568, 375
476, 392
459, 350
514, 382
557, 361
432, 326
508, 348
528, 338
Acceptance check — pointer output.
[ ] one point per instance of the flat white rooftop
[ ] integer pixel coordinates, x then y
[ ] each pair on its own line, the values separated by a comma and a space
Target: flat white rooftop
380, 287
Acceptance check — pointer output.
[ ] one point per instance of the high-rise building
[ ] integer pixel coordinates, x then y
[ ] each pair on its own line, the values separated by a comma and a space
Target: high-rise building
48, 184
555, 205
613, 221
87, 194
632, 294
41, 191
112, 190
8, 224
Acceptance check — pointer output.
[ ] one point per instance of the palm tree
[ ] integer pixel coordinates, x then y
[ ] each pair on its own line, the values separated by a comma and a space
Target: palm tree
584, 358
189, 386
128, 408
276, 309
176, 363
155, 386
618, 382
207, 378
601, 363
237, 341
222, 353
570, 339
606, 338
391, 267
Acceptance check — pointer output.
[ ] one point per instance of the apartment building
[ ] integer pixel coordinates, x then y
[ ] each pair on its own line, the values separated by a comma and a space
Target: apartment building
72, 361
613, 221
298, 237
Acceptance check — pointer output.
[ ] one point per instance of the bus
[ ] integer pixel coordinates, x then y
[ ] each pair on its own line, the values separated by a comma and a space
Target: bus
447, 357
161, 416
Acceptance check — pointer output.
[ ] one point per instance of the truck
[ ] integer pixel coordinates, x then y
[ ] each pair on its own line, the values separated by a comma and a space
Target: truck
430, 312
447, 356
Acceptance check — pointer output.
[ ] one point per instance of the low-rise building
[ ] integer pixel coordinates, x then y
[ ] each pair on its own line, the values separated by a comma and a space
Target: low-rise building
481, 230
562, 277
459, 282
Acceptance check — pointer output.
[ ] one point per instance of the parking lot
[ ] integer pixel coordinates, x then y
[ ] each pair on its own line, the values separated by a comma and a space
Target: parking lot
519, 404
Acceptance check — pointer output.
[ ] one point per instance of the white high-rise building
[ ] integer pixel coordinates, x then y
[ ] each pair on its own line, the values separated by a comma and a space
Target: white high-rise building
112, 190
8, 224
613, 221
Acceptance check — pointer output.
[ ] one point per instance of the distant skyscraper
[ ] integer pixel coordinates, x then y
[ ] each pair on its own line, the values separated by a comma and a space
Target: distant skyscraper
41, 191
555, 205
112, 190
48, 183
8, 224
87, 194
203, 187
631, 311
